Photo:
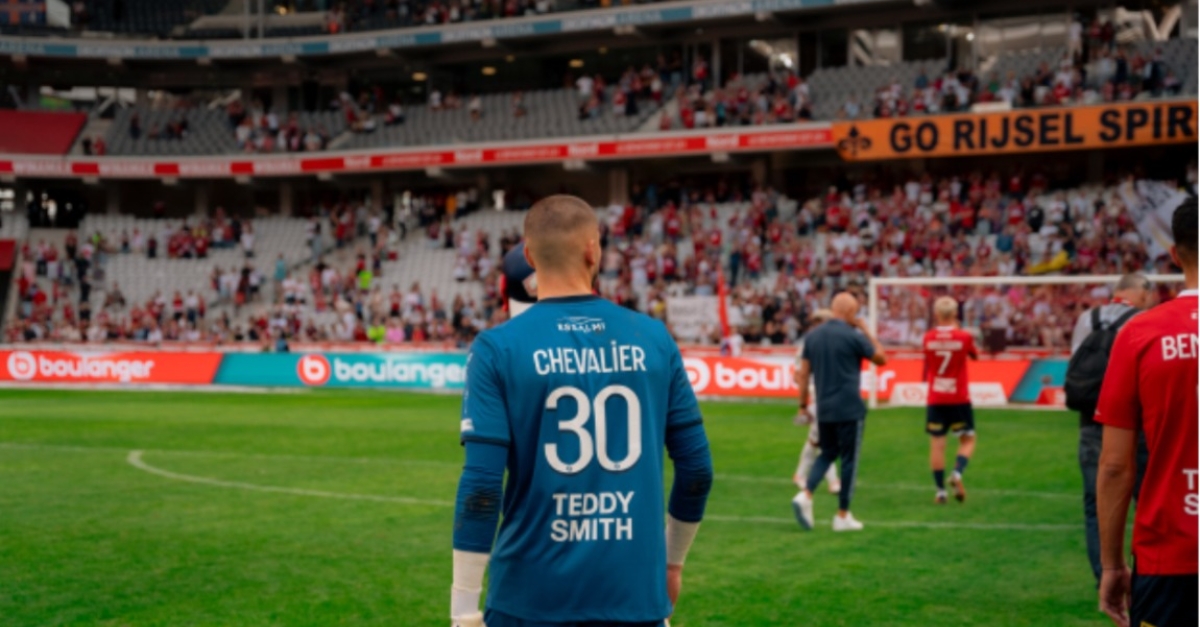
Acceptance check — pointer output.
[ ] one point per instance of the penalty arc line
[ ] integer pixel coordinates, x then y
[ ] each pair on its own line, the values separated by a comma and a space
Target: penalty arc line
135, 459
239, 454
429, 462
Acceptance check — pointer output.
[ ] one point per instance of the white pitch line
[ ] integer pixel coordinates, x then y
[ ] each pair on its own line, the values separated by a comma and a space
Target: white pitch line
430, 462
902, 524
167, 451
135, 459
901, 486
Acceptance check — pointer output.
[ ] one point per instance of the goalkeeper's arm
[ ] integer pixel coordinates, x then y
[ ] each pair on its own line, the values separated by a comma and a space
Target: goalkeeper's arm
688, 447
476, 513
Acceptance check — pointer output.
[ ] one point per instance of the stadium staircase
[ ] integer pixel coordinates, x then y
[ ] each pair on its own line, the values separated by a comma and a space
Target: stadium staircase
96, 127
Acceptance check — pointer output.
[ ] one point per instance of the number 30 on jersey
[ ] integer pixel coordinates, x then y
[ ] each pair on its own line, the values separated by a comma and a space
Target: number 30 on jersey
597, 448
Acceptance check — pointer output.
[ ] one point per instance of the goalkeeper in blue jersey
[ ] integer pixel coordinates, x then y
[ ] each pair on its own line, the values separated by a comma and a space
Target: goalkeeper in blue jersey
576, 398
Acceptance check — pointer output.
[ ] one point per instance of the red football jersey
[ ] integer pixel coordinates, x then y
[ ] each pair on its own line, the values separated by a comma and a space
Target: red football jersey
1151, 384
946, 353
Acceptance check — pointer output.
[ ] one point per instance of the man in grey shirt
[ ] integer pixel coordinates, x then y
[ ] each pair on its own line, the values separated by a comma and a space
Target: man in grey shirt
833, 355
1131, 293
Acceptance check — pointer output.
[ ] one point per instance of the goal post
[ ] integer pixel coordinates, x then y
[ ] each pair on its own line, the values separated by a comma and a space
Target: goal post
877, 286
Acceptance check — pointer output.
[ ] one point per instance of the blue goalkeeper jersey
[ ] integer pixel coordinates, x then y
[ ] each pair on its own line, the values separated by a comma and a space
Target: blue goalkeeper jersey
582, 393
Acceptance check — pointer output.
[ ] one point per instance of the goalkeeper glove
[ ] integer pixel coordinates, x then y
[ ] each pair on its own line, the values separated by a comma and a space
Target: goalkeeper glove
469, 620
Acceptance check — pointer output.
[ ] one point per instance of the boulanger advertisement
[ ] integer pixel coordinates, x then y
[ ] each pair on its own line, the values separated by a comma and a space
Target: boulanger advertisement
409, 371
131, 368
900, 382
765, 376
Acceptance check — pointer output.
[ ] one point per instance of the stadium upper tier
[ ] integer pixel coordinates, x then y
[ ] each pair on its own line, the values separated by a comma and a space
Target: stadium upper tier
353, 26
624, 104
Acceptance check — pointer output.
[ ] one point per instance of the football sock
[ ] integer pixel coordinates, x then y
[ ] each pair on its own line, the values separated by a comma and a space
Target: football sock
960, 464
939, 477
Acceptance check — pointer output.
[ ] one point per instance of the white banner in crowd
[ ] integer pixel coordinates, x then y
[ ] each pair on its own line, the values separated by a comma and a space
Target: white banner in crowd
691, 317
694, 317
1151, 204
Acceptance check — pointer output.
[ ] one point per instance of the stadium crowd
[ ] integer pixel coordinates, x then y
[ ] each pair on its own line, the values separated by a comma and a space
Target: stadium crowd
1112, 73
781, 268
781, 261
354, 15
744, 100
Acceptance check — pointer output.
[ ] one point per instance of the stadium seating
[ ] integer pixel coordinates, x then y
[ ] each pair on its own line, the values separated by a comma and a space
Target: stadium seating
209, 132
140, 278
833, 87
13, 226
550, 113
154, 17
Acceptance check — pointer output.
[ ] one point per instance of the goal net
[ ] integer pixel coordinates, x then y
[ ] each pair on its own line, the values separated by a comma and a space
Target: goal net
1023, 326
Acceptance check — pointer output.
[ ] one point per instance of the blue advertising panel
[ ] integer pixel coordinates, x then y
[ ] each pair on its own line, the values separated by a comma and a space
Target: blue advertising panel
1043, 375
408, 371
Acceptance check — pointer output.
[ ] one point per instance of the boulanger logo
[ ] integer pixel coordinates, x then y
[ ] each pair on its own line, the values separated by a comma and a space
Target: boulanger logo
698, 373
22, 366
313, 370
421, 372
739, 377
26, 366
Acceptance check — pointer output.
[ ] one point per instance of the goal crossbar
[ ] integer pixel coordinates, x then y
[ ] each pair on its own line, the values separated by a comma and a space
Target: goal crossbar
874, 283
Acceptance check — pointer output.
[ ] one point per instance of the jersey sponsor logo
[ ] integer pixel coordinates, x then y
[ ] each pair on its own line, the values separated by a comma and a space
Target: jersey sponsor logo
945, 385
313, 370
580, 324
466, 425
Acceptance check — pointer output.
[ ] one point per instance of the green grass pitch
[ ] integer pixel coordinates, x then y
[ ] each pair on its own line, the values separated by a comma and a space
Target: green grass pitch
330, 508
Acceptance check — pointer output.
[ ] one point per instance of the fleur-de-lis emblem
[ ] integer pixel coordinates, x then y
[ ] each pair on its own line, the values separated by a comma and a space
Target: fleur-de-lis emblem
854, 142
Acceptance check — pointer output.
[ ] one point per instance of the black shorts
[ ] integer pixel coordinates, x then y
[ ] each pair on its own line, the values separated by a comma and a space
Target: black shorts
1163, 601
943, 419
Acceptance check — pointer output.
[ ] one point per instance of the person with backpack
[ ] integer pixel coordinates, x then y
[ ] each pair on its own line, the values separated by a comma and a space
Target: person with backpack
1091, 344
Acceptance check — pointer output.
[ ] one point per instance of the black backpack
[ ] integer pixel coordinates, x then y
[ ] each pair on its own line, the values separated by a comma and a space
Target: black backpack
1085, 371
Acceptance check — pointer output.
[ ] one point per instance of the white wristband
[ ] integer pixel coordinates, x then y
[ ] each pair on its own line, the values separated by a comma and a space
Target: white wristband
468, 582
680, 536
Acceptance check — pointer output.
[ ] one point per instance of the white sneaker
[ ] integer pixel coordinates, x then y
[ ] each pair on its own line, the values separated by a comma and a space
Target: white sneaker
802, 505
835, 486
846, 524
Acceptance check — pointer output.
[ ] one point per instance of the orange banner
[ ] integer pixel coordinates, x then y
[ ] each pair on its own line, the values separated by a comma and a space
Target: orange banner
112, 367
1025, 130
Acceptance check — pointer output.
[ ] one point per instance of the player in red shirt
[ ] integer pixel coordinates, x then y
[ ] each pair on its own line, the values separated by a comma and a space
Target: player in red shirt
948, 402
1150, 387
